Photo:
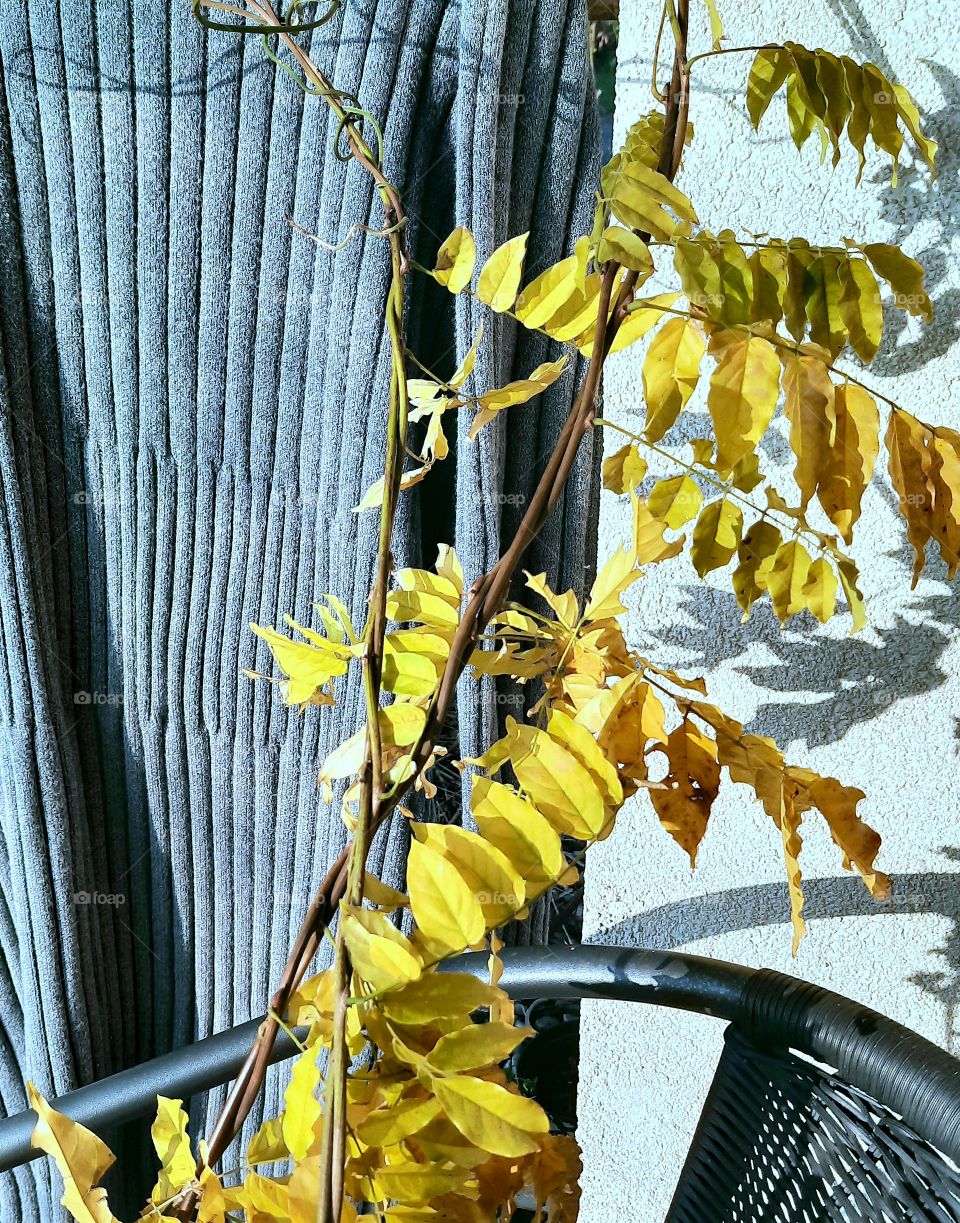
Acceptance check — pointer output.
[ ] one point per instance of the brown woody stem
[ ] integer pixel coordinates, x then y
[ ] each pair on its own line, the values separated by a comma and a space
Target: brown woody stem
345, 875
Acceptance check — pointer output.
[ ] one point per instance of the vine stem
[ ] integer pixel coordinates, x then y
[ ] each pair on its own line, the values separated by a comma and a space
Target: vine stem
344, 878
728, 491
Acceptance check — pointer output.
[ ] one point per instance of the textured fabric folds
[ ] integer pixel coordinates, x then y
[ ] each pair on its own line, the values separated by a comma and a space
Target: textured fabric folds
192, 399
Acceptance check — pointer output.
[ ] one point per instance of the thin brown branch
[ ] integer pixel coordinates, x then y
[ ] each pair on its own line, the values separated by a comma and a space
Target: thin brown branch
486, 594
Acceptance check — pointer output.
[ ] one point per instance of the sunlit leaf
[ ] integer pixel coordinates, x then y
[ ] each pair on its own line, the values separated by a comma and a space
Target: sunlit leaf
491, 1117
443, 905
716, 536
743, 396
500, 275
455, 260
671, 371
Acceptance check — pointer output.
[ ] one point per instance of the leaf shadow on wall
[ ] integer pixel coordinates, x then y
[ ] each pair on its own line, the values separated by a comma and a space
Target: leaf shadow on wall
840, 681
680, 923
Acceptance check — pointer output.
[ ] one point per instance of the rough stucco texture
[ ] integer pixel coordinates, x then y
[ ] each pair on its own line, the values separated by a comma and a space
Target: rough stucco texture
878, 710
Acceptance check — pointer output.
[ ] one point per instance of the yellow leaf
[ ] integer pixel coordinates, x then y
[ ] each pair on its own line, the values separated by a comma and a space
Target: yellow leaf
787, 579
648, 541
516, 393
716, 536
911, 121
81, 1158
860, 844
373, 497
213, 1198
466, 366
625, 247
414, 1184
491, 1117
487, 872
910, 466
769, 272
790, 818
756, 555
861, 307
518, 829
810, 409
639, 196
820, 590
578, 313
413, 661
625, 718
177, 1163
563, 605
743, 396
381, 895
438, 995
579, 740
849, 579
444, 908
423, 606
264, 1198
671, 371
851, 458
267, 1145
382, 956
945, 477
904, 276
716, 25
624, 470
309, 665
500, 275
476, 1046
386, 1127
449, 567
455, 260
558, 785
617, 575
644, 314
676, 501
692, 782
303, 1194
302, 1109
552, 289
768, 73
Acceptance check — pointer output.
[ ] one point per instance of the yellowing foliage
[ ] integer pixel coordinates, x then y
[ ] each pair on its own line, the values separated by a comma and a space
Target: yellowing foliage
751, 328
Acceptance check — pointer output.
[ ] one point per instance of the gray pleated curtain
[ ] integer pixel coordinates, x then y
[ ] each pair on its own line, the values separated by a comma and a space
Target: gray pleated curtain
192, 399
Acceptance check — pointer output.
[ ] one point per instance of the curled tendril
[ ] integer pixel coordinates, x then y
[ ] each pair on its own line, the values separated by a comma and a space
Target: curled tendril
291, 26
353, 111
355, 228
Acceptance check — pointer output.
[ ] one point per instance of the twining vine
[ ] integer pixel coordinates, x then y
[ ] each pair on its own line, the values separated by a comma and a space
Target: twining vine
426, 1126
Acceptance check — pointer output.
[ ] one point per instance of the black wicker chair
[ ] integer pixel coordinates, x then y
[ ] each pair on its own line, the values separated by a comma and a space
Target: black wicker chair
820, 1108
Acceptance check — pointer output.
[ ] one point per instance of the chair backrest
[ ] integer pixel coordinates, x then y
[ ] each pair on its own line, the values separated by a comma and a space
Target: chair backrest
785, 1141
870, 1129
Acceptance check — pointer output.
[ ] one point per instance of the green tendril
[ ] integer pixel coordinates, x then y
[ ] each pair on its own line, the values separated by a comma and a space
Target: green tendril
290, 26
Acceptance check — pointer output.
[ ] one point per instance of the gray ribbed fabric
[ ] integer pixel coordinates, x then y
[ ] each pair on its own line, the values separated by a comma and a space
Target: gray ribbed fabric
192, 398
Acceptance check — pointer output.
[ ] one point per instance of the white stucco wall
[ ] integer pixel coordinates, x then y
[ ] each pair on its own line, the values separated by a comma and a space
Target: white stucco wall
879, 710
